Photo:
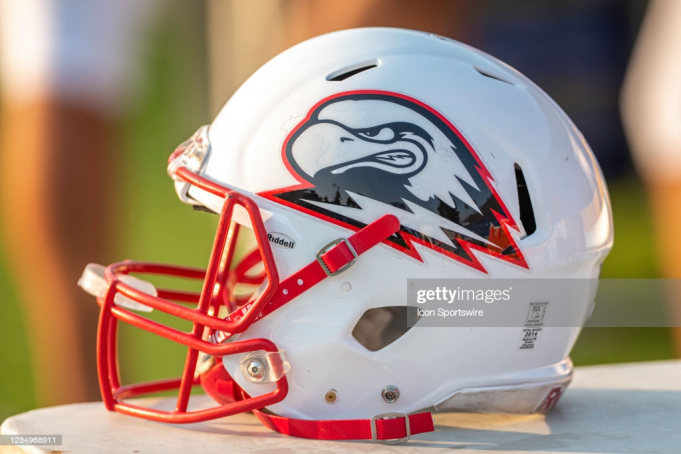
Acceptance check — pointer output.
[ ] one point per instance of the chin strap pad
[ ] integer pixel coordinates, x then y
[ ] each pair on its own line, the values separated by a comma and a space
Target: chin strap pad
218, 384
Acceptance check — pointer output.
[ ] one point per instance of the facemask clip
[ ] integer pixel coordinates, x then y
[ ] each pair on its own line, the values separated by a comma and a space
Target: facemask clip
192, 155
94, 282
264, 367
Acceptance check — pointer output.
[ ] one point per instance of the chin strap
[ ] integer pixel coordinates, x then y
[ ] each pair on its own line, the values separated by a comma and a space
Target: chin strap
333, 259
389, 427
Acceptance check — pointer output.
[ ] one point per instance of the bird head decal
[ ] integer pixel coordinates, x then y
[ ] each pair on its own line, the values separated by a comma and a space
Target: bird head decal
359, 155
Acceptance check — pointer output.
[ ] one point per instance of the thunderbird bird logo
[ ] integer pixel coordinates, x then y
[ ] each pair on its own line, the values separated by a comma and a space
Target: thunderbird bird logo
359, 155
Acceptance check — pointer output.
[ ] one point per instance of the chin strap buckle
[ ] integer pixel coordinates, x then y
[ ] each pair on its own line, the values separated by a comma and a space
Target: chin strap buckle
326, 249
396, 441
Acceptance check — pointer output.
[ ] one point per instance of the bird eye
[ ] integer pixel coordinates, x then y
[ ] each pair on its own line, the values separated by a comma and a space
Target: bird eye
383, 134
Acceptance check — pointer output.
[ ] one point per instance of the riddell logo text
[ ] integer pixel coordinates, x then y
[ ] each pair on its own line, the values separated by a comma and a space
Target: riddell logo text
281, 240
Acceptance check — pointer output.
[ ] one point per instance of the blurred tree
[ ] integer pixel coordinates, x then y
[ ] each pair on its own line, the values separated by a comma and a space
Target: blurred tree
242, 36
66, 70
651, 110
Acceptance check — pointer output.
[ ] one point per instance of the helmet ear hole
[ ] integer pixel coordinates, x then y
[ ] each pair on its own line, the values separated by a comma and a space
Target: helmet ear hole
525, 203
381, 326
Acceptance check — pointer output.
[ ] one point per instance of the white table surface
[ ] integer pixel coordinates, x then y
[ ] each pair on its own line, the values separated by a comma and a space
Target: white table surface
628, 408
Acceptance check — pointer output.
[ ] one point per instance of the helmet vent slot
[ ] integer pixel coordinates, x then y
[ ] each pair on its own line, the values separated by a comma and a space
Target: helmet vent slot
353, 70
381, 326
524, 202
492, 76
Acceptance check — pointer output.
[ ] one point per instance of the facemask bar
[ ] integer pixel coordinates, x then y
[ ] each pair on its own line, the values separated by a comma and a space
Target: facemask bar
218, 289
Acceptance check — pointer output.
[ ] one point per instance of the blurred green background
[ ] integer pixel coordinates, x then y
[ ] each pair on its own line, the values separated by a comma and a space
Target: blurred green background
151, 222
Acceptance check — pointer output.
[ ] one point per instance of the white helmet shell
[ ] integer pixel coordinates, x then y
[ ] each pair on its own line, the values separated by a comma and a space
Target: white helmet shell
346, 127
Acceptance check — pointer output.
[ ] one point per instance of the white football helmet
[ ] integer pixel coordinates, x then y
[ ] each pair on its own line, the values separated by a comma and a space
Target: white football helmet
358, 160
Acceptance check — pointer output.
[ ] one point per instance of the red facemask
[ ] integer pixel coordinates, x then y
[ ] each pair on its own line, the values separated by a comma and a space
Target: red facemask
211, 335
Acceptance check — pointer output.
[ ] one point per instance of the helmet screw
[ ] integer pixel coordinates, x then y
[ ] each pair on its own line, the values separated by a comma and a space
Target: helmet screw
331, 396
390, 394
256, 369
